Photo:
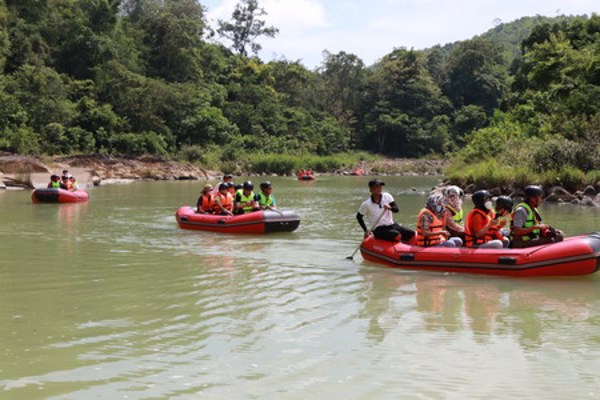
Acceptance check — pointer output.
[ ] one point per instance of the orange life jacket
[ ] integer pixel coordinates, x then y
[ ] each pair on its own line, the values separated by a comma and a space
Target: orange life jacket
436, 226
226, 201
492, 233
207, 202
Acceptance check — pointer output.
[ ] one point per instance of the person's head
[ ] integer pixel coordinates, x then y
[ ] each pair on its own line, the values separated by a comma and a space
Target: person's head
65, 172
230, 187
435, 203
207, 188
266, 187
71, 177
54, 178
376, 186
65, 178
504, 205
248, 187
227, 178
482, 199
223, 188
533, 195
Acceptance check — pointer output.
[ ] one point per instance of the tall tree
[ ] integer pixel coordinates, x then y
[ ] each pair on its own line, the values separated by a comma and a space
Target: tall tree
246, 26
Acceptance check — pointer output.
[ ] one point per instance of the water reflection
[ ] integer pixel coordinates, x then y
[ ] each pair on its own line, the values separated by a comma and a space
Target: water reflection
524, 309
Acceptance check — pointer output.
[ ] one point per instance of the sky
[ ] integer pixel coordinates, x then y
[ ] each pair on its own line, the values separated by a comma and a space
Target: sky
370, 29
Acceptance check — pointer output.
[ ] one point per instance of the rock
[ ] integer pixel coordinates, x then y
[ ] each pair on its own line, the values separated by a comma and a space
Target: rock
96, 180
471, 188
588, 201
575, 201
496, 191
589, 191
21, 165
597, 198
559, 193
2, 185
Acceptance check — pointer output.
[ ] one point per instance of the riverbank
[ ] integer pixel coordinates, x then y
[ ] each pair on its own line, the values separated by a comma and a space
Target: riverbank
17, 171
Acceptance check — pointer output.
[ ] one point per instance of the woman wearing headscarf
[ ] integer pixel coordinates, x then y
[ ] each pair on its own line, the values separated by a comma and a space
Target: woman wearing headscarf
453, 211
431, 225
482, 229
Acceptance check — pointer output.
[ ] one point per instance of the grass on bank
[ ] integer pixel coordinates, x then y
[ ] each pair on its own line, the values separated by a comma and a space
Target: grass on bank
493, 174
227, 161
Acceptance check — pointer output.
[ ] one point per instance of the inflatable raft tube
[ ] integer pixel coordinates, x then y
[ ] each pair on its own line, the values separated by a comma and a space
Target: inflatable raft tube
579, 255
45, 195
267, 221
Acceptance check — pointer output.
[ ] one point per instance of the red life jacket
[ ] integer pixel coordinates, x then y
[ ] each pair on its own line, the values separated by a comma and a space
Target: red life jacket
226, 201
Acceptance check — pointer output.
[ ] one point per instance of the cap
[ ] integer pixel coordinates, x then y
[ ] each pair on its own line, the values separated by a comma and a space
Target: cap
375, 182
208, 186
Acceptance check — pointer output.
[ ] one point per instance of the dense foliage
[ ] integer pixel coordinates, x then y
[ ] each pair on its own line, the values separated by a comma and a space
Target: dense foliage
138, 77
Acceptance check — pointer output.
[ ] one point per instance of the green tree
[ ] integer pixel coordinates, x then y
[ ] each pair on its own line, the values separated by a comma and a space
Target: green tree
245, 27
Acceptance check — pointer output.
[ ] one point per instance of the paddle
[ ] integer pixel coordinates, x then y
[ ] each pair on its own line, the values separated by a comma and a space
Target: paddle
274, 209
371, 229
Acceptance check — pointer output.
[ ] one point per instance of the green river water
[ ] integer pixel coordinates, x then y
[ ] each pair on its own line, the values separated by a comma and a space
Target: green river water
111, 300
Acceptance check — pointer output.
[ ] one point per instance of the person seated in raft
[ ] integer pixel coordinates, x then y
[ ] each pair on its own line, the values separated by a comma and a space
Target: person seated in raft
504, 208
527, 227
300, 172
431, 224
482, 229
265, 199
378, 209
67, 182
74, 184
206, 201
453, 211
55, 183
223, 201
244, 200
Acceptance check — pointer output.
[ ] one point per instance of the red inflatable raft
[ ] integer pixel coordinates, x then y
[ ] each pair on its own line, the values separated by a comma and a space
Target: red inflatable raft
579, 255
45, 195
266, 221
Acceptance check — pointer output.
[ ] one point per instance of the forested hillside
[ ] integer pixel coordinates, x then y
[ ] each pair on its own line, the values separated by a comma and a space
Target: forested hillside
137, 77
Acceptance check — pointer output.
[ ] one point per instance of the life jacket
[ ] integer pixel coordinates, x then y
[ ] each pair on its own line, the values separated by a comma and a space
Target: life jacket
55, 185
69, 185
226, 201
532, 220
457, 215
207, 203
245, 199
436, 226
264, 200
492, 233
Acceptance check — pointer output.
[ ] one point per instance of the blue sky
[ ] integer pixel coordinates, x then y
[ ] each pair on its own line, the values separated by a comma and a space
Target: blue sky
373, 28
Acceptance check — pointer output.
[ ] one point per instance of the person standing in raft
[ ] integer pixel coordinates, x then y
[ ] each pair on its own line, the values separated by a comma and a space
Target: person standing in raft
265, 199
244, 200
223, 201
431, 225
378, 209
482, 229
226, 179
206, 201
527, 226
453, 211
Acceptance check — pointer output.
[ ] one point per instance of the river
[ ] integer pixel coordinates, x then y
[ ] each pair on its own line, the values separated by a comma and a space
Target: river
111, 300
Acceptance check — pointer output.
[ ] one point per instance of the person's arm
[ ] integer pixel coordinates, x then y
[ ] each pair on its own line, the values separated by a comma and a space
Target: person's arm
361, 222
519, 221
237, 203
484, 227
451, 223
393, 207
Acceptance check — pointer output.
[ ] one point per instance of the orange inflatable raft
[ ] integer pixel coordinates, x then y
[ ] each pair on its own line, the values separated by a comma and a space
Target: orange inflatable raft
266, 221
579, 255
52, 195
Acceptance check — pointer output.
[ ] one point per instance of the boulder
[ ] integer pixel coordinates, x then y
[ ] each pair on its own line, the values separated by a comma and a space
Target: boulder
96, 180
496, 191
21, 165
471, 188
558, 193
588, 201
590, 191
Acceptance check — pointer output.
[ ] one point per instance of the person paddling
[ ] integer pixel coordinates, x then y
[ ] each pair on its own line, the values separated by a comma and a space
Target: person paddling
527, 226
378, 209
